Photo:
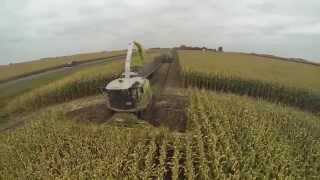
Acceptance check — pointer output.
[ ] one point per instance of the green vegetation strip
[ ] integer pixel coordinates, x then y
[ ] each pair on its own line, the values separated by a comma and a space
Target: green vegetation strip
278, 93
79, 84
228, 137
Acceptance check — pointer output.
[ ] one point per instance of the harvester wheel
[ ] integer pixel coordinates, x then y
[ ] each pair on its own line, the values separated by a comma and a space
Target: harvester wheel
139, 114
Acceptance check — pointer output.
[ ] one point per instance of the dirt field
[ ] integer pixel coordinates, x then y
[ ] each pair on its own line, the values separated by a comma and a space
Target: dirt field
98, 113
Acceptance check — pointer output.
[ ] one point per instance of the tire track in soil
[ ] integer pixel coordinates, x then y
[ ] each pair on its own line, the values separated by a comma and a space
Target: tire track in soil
167, 108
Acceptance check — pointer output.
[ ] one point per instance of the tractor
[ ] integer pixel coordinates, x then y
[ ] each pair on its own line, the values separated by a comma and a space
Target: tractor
131, 92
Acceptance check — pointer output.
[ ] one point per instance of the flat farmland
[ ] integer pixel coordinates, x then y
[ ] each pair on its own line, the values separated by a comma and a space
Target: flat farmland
217, 134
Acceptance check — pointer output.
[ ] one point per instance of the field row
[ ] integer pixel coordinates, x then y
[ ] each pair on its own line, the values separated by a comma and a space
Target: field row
276, 93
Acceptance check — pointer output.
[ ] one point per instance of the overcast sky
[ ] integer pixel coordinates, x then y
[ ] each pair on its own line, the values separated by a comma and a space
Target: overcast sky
31, 29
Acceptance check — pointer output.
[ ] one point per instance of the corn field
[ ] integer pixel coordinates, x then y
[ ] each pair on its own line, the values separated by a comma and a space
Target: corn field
245, 139
53, 147
272, 80
250, 67
83, 83
228, 137
273, 92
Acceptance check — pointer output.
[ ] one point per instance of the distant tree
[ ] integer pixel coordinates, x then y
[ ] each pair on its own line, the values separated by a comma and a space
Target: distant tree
183, 47
220, 49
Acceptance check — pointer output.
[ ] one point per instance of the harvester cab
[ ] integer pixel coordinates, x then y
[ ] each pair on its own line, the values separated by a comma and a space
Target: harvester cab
131, 92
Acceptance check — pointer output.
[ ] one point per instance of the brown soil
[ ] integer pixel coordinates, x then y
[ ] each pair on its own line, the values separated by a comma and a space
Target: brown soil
173, 77
168, 108
98, 113
168, 111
